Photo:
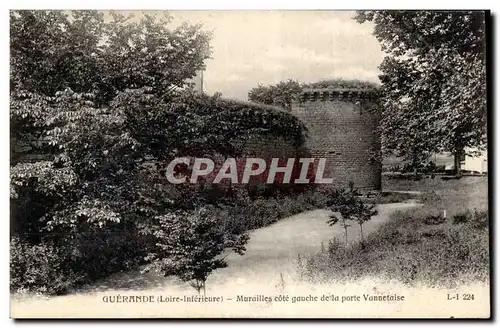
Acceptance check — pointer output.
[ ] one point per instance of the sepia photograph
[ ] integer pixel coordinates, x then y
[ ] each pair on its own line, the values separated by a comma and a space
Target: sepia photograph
249, 164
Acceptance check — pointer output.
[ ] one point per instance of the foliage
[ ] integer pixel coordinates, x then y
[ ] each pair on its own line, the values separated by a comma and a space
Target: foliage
281, 94
351, 208
343, 84
97, 108
190, 246
434, 81
406, 248
97, 183
285, 93
52, 50
38, 268
95, 157
242, 213
194, 124
77, 182
35, 189
80, 50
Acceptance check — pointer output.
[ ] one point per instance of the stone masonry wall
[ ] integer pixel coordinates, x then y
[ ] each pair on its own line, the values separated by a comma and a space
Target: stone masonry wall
269, 147
342, 130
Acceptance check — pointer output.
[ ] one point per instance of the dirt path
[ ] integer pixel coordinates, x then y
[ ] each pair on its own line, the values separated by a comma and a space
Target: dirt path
269, 263
273, 251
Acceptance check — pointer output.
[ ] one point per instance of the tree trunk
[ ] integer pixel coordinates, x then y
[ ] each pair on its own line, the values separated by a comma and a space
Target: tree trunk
415, 164
198, 287
345, 232
457, 156
363, 246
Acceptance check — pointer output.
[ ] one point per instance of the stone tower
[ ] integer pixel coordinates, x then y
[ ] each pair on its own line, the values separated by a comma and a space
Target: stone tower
343, 130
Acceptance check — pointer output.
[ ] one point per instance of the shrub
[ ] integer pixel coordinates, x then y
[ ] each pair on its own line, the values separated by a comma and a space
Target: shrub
434, 219
407, 249
389, 197
241, 213
461, 218
38, 268
351, 207
191, 245
480, 220
106, 252
313, 199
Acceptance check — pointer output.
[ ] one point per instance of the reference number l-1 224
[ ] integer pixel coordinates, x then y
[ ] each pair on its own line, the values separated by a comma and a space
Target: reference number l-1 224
460, 297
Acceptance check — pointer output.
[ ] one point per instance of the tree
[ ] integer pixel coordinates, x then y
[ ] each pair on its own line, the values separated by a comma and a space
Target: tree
363, 212
281, 94
190, 246
55, 50
351, 208
86, 169
149, 54
67, 70
77, 179
434, 80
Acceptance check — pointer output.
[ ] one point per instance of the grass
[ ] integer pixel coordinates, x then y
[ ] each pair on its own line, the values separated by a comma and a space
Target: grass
421, 245
245, 214
386, 197
454, 196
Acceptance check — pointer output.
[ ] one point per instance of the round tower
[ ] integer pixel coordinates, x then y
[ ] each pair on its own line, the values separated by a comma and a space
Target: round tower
342, 129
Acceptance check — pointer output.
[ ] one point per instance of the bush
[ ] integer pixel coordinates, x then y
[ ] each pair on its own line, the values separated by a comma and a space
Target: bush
105, 253
409, 250
460, 218
389, 197
38, 268
313, 199
190, 245
434, 219
241, 213
477, 219
56, 267
480, 220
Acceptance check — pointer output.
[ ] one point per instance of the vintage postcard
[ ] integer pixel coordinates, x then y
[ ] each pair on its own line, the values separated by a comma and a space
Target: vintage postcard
249, 164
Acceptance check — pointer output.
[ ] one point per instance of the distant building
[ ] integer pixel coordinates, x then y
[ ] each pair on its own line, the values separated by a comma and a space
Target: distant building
477, 163
470, 163
445, 162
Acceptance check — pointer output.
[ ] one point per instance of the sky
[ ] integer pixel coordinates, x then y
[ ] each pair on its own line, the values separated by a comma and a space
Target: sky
266, 47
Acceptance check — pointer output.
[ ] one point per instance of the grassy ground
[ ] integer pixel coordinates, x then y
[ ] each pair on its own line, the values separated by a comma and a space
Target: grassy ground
267, 268
422, 245
407, 247
452, 195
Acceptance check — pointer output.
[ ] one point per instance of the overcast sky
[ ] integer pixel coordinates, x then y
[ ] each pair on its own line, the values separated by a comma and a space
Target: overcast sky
252, 47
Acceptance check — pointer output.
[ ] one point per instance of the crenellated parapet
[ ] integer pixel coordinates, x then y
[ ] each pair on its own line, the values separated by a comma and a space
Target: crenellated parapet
357, 96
